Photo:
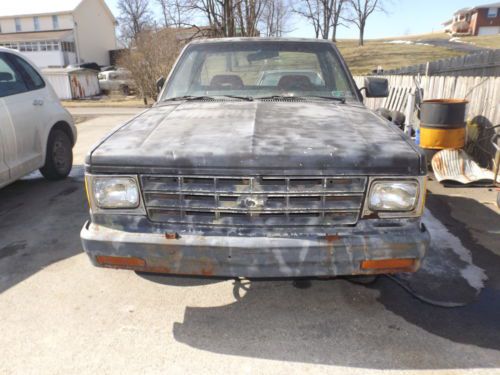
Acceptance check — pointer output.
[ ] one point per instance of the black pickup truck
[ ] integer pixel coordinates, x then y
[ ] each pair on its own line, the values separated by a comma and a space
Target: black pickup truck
259, 159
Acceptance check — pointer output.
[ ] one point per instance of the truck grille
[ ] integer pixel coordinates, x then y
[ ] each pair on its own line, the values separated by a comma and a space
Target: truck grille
253, 201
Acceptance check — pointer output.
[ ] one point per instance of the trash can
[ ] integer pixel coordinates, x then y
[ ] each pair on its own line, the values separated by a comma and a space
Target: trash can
442, 123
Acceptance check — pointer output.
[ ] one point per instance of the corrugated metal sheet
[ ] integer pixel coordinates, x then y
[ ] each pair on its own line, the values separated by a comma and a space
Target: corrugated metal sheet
456, 166
73, 83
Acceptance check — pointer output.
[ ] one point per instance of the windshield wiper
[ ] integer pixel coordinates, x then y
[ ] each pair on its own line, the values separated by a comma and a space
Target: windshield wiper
334, 98
289, 97
247, 98
189, 97
207, 97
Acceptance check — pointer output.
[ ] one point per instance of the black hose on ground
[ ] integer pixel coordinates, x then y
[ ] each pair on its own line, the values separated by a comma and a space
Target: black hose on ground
423, 299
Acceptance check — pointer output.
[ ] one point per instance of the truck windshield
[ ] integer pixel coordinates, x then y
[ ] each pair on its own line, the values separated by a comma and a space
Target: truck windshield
259, 69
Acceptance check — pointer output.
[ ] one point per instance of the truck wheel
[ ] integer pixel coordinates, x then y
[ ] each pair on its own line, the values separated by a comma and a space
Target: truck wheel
398, 118
362, 279
385, 113
59, 156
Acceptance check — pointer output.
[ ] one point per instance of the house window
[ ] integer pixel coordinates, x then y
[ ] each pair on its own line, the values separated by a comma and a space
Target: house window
55, 22
36, 23
68, 46
28, 46
9, 45
49, 45
18, 24
492, 12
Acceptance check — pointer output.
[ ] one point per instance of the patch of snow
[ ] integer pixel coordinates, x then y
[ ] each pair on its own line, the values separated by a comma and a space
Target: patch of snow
458, 40
408, 42
399, 42
441, 238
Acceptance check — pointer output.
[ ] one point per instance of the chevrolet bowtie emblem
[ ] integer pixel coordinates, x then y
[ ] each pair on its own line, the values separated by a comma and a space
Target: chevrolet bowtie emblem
251, 201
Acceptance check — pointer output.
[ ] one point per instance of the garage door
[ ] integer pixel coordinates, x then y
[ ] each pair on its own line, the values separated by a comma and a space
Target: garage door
489, 30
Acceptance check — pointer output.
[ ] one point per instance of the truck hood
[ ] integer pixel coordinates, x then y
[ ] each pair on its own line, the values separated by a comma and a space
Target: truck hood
263, 137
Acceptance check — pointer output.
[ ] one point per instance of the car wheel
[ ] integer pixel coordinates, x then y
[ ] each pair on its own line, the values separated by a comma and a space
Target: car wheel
125, 90
59, 158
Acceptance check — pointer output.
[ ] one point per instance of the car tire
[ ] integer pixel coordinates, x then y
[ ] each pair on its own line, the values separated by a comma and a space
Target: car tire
59, 156
125, 90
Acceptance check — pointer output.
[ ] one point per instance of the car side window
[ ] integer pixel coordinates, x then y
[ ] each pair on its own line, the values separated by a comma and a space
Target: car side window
30, 75
11, 80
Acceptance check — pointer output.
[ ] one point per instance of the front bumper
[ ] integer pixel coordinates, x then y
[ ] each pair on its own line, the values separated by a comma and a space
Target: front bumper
226, 256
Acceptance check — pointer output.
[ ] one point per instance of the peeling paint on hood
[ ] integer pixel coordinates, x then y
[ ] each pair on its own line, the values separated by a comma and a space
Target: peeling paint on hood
300, 137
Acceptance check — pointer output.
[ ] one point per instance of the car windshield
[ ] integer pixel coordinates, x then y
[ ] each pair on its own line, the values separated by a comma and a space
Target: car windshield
256, 69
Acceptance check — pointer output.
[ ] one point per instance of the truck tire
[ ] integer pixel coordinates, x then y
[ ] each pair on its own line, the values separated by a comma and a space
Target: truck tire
398, 118
59, 156
385, 113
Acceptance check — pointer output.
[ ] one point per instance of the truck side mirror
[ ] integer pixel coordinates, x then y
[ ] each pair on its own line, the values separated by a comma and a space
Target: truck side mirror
376, 87
159, 83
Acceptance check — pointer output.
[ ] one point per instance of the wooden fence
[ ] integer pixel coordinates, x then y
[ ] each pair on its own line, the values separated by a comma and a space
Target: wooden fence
482, 64
483, 93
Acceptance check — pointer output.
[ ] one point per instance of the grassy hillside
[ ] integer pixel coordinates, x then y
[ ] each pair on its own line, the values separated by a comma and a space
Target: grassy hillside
487, 41
381, 52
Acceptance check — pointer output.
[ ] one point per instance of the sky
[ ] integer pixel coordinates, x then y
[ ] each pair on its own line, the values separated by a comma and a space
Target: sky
403, 17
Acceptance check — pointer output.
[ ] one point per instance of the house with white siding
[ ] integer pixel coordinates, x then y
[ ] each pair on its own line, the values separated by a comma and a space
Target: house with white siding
56, 33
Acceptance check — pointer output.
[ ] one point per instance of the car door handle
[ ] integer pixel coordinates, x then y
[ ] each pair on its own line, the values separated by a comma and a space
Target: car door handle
38, 102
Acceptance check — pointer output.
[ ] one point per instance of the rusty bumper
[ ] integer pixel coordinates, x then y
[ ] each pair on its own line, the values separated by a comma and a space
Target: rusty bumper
332, 255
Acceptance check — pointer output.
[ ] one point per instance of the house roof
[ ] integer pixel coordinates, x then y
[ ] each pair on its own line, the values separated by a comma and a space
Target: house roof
35, 36
490, 5
465, 10
14, 8
30, 7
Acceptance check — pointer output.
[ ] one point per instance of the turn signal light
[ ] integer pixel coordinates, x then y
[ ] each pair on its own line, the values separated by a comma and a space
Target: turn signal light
383, 264
120, 261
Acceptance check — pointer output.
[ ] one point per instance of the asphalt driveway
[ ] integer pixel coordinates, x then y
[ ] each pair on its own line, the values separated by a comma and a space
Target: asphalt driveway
60, 315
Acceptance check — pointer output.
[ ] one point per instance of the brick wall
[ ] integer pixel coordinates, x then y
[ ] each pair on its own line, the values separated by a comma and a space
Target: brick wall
480, 18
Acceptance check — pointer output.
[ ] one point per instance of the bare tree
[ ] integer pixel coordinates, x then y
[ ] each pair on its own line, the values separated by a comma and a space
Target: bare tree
147, 62
217, 13
239, 17
323, 15
275, 16
175, 13
135, 17
249, 15
361, 10
338, 9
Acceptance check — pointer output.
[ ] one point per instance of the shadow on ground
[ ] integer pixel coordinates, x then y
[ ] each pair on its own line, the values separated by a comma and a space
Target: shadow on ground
40, 224
338, 323
330, 322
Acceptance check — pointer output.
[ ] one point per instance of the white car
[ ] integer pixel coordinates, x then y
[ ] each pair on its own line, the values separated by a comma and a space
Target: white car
36, 132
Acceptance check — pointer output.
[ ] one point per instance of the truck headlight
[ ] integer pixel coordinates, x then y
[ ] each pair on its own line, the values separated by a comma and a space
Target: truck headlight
115, 192
393, 196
